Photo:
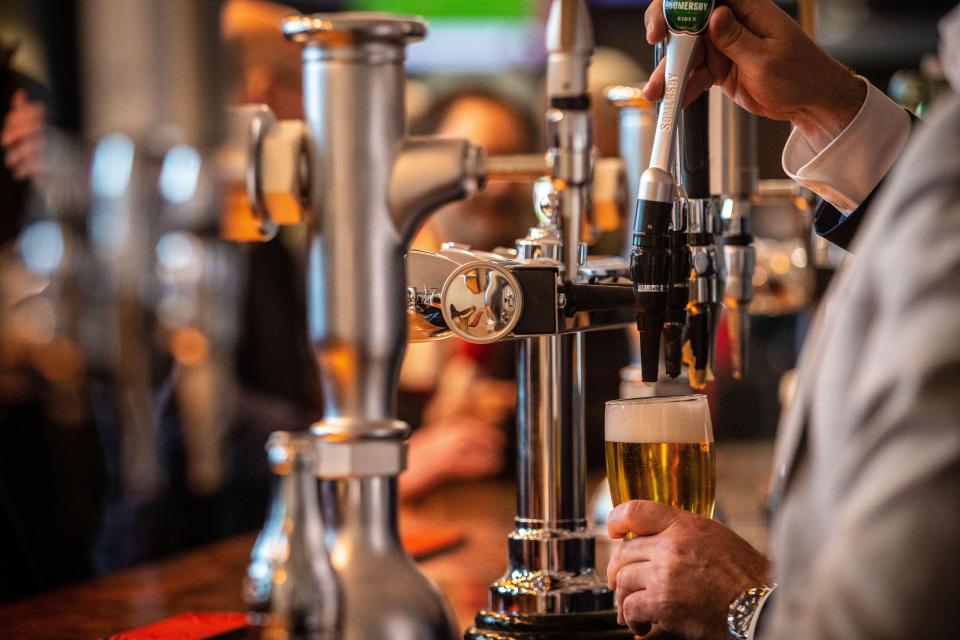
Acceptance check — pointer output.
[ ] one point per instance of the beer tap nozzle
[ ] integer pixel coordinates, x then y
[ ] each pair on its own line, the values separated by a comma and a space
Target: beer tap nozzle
679, 294
733, 138
650, 259
705, 284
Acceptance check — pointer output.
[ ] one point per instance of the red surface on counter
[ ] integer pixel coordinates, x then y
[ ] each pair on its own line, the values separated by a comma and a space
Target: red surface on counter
186, 626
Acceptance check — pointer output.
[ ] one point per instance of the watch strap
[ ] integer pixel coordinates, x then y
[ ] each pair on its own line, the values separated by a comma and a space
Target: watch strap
742, 610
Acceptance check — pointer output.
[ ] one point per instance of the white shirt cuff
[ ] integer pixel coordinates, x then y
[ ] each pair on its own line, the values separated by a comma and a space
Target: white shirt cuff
752, 631
848, 169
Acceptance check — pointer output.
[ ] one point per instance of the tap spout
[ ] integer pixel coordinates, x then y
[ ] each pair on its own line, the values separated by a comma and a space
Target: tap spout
429, 173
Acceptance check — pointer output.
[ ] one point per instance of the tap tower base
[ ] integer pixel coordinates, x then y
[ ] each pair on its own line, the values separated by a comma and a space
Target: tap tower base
601, 625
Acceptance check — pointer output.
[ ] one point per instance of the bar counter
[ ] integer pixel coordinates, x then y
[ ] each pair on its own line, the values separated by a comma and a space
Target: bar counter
209, 579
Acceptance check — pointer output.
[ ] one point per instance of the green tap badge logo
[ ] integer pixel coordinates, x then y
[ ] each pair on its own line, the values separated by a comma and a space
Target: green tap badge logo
687, 16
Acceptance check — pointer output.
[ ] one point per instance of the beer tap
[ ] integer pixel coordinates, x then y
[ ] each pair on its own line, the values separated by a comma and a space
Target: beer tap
569, 135
678, 295
705, 284
734, 177
551, 587
637, 121
370, 187
650, 259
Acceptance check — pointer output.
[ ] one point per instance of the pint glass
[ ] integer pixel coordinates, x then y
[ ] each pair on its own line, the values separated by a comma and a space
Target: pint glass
661, 449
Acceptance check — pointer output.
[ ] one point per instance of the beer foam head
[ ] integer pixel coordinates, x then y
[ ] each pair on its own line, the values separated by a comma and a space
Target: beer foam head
677, 419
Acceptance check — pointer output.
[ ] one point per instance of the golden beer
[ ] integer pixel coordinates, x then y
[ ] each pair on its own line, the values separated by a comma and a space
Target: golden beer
661, 449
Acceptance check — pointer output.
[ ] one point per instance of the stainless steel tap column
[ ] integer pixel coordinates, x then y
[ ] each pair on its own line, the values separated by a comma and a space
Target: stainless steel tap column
551, 456
369, 187
551, 588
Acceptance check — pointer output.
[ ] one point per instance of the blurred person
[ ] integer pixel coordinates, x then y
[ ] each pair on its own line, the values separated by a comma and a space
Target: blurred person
867, 464
23, 120
46, 532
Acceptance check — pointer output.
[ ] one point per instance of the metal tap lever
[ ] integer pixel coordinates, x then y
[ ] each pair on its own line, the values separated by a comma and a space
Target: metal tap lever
650, 260
705, 264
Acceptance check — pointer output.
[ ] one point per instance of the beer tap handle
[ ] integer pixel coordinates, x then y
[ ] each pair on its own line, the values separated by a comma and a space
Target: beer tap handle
733, 136
650, 260
705, 272
568, 123
694, 147
679, 294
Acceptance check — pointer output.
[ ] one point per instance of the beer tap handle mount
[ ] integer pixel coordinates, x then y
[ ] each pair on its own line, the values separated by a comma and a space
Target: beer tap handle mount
264, 165
650, 259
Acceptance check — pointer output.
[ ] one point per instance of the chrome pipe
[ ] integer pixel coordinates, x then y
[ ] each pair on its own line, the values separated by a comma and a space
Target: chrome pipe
551, 447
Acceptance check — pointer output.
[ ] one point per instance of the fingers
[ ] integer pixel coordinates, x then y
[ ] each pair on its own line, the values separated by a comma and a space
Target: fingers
640, 517
700, 80
709, 67
731, 37
24, 158
635, 613
22, 121
628, 552
632, 578
653, 89
654, 22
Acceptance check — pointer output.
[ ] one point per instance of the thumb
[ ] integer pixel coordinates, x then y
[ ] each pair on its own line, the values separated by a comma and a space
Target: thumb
731, 37
641, 518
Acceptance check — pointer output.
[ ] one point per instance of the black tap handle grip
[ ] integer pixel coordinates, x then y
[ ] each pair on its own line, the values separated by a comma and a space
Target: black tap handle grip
598, 297
651, 223
695, 148
650, 327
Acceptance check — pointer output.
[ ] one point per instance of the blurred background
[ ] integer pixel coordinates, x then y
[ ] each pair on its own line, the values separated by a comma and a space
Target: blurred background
69, 506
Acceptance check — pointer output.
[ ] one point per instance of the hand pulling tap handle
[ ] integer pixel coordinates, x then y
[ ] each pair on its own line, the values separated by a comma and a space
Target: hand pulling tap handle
650, 259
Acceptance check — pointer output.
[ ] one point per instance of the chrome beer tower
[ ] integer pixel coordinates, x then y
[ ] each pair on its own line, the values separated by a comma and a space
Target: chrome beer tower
551, 588
545, 293
369, 188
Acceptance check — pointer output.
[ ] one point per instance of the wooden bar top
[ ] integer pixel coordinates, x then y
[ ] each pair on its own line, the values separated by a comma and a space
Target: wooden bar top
208, 579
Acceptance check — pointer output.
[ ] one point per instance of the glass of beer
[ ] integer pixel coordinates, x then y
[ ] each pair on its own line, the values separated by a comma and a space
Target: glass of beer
661, 449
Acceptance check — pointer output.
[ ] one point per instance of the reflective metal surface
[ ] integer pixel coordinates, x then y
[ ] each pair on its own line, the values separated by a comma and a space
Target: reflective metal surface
734, 167
290, 587
370, 188
481, 302
551, 588
384, 594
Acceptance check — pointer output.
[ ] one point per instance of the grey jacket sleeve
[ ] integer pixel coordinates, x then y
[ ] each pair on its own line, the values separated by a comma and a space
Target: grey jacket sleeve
879, 488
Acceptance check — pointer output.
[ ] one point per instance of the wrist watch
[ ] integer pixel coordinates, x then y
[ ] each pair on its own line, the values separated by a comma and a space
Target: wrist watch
742, 610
